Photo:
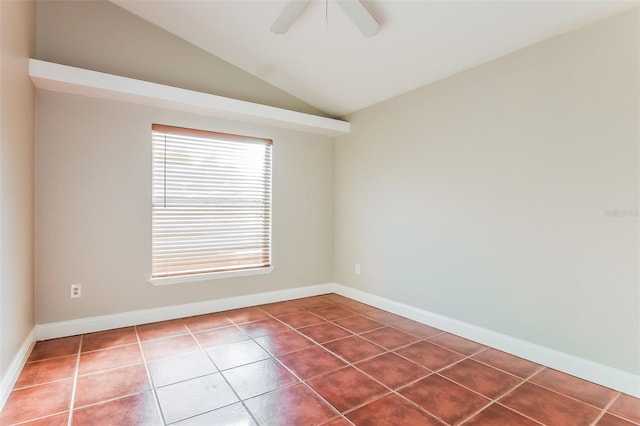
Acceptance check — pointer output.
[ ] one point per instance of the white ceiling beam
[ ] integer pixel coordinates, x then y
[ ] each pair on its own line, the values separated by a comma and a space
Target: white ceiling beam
67, 79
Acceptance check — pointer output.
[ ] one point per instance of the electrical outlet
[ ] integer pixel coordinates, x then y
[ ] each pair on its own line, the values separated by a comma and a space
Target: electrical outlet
357, 269
76, 291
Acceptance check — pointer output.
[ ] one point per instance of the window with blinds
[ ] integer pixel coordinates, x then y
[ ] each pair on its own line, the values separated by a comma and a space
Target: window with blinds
211, 202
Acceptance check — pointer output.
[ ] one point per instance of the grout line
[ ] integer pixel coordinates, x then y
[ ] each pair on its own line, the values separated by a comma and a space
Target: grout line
348, 364
171, 336
104, 370
398, 394
304, 383
326, 301
396, 391
208, 355
523, 381
502, 369
109, 347
300, 380
519, 413
149, 378
205, 412
420, 407
51, 358
308, 310
44, 383
352, 365
606, 407
484, 407
338, 417
35, 419
114, 398
387, 350
455, 351
75, 382
560, 393
620, 416
367, 402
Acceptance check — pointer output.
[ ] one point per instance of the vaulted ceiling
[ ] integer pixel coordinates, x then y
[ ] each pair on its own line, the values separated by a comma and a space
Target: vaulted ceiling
324, 60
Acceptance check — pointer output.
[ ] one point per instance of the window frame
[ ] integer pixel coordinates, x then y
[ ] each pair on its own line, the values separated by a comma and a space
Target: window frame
176, 278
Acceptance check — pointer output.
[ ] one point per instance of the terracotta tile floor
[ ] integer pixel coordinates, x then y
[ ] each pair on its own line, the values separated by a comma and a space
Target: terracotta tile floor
324, 360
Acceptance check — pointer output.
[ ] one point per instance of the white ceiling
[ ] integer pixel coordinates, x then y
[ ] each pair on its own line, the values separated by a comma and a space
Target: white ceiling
331, 66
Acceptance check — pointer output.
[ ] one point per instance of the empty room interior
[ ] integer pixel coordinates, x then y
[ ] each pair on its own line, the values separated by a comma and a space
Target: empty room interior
323, 212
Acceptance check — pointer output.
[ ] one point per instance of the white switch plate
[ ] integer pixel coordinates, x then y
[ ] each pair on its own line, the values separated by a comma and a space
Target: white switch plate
357, 269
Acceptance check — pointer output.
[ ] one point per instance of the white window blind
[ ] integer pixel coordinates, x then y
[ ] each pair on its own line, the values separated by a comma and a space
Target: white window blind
211, 202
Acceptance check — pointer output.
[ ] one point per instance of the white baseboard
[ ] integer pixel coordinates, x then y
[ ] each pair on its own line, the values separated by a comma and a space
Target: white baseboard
125, 319
18, 362
570, 364
594, 372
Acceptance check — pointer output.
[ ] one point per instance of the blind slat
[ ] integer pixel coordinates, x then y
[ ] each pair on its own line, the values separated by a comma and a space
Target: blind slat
211, 198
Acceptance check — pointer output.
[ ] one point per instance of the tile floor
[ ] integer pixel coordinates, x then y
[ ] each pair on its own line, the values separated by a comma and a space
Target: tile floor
324, 360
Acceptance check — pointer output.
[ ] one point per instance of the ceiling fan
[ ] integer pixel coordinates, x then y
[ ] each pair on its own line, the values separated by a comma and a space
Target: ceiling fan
354, 9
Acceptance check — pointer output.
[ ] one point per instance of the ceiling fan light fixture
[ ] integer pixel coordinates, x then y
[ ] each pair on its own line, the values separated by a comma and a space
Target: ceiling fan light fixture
354, 9
360, 17
292, 10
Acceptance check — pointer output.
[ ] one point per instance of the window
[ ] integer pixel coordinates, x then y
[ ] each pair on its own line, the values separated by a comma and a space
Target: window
211, 203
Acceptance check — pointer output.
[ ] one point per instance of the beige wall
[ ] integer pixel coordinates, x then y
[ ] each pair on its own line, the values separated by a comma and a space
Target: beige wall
93, 209
17, 44
93, 178
101, 36
482, 197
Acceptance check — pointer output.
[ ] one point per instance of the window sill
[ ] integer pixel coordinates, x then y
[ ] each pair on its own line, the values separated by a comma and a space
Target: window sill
209, 276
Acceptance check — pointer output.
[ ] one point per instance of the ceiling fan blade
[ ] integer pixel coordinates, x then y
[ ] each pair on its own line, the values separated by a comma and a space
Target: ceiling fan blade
289, 14
360, 16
